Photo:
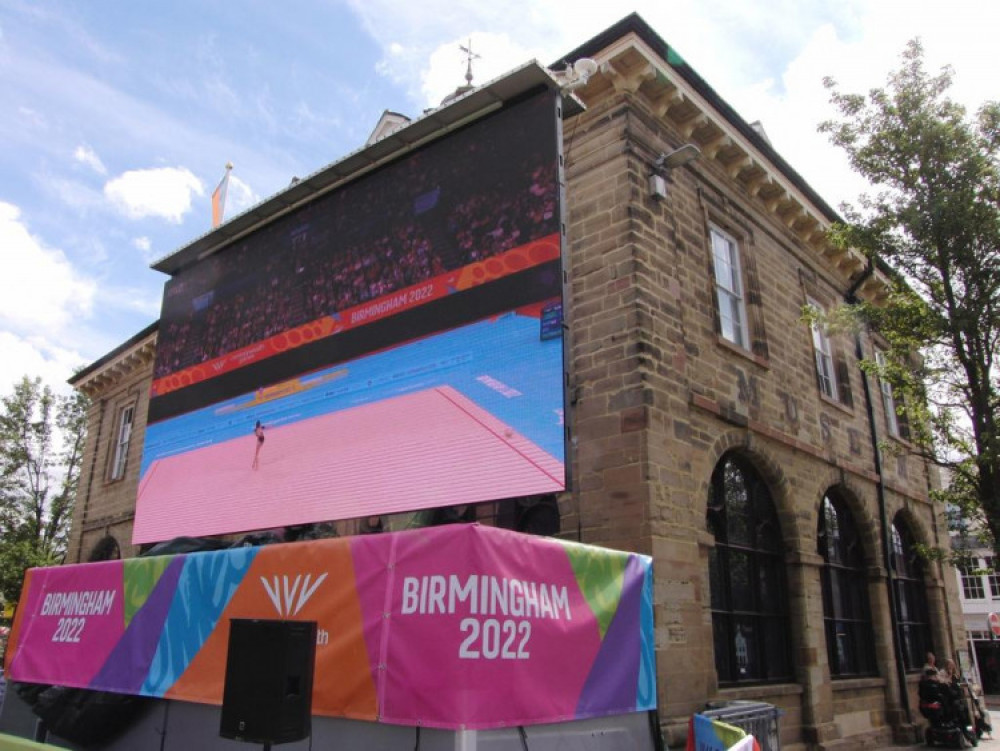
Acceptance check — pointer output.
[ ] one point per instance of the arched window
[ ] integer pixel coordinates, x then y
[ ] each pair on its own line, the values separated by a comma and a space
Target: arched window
747, 578
850, 641
912, 617
106, 549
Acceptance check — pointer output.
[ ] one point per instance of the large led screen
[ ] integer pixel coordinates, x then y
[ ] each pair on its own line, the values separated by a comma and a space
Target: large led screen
393, 345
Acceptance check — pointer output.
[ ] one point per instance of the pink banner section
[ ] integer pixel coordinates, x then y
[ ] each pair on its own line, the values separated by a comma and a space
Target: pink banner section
213, 490
454, 627
63, 607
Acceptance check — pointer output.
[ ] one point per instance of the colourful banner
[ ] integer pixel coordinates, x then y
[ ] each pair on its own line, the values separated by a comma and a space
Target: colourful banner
512, 261
707, 734
454, 627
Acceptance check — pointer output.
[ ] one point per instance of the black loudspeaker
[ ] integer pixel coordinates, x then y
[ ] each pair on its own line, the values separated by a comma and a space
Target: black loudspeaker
269, 679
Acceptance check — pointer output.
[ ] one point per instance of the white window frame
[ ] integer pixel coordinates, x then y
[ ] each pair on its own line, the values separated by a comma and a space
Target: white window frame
888, 399
126, 417
729, 288
826, 369
972, 581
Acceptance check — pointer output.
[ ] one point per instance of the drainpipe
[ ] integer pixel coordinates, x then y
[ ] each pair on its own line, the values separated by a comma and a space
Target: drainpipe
850, 297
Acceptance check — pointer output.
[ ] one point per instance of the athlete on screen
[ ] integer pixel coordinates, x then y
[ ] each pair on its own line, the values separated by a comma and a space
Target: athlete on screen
258, 431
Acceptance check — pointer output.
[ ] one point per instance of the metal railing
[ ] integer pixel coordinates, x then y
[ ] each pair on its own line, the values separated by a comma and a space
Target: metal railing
755, 717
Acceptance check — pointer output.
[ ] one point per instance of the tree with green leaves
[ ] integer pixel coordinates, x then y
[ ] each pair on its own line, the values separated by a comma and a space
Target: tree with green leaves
934, 218
41, 446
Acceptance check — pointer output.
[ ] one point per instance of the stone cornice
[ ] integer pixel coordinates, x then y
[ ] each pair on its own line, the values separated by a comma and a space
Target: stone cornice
117, 367
631, 66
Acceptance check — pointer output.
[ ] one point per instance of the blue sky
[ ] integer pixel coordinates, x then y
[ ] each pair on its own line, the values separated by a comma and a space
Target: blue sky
117, 118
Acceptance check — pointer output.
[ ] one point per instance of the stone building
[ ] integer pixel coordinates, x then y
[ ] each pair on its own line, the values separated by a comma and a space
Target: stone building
979, 587
718, 432
118, 388
711, 427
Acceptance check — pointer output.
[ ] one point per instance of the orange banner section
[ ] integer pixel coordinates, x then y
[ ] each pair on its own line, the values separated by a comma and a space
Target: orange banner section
15, 628
518, 259
345, 686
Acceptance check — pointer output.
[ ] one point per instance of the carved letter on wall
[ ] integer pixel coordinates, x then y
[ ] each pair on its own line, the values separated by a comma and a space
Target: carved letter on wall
854, 438
748, 389
791, 408
825, 429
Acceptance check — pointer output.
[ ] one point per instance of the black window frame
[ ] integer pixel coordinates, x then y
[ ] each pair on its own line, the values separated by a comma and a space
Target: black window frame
909, 590
847, 619
747, 578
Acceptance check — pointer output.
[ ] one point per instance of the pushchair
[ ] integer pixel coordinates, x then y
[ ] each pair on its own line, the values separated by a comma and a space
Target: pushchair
943, 709
973, 699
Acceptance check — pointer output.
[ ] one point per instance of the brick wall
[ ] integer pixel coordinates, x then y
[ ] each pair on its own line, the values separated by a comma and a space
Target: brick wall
658, 397
106, 506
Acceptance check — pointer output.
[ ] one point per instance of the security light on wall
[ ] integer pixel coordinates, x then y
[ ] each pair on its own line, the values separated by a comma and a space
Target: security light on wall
657, 186
664, 162
678, 157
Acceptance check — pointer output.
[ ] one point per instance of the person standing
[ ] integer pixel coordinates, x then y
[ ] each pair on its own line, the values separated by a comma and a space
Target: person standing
931, 663
258, 432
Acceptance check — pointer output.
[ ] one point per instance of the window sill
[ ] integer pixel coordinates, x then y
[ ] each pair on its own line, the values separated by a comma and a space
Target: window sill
904, 442
834, 403
727, 345
856, 683
758, 691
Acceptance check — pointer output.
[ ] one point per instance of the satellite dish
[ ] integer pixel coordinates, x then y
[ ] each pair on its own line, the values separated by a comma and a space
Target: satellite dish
576, 75
585, 67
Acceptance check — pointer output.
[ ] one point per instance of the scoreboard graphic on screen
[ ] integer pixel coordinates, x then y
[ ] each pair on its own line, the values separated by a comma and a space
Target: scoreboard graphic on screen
393, 345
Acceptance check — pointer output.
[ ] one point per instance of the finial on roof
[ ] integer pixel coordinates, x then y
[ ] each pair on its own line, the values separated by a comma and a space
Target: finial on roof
469, 57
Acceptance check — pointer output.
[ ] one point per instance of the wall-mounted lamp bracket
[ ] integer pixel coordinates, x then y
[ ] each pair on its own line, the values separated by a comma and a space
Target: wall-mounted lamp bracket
678, 157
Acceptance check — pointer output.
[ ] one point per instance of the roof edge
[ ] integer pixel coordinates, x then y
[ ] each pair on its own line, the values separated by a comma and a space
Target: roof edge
89, 370
634, 23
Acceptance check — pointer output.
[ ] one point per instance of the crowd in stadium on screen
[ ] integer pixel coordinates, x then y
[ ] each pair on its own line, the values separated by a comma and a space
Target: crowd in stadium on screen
358, 246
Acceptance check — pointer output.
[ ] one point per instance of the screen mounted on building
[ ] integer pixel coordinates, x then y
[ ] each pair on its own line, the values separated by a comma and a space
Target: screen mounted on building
393, 345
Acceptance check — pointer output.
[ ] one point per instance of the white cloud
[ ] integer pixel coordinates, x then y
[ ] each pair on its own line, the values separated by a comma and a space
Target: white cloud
34, 356
133, 300
498, 53
72, 193
163, 192
86, 155
767, 60
32, 118
40, 291
792, 105
239, 197
504, 34
145, 247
